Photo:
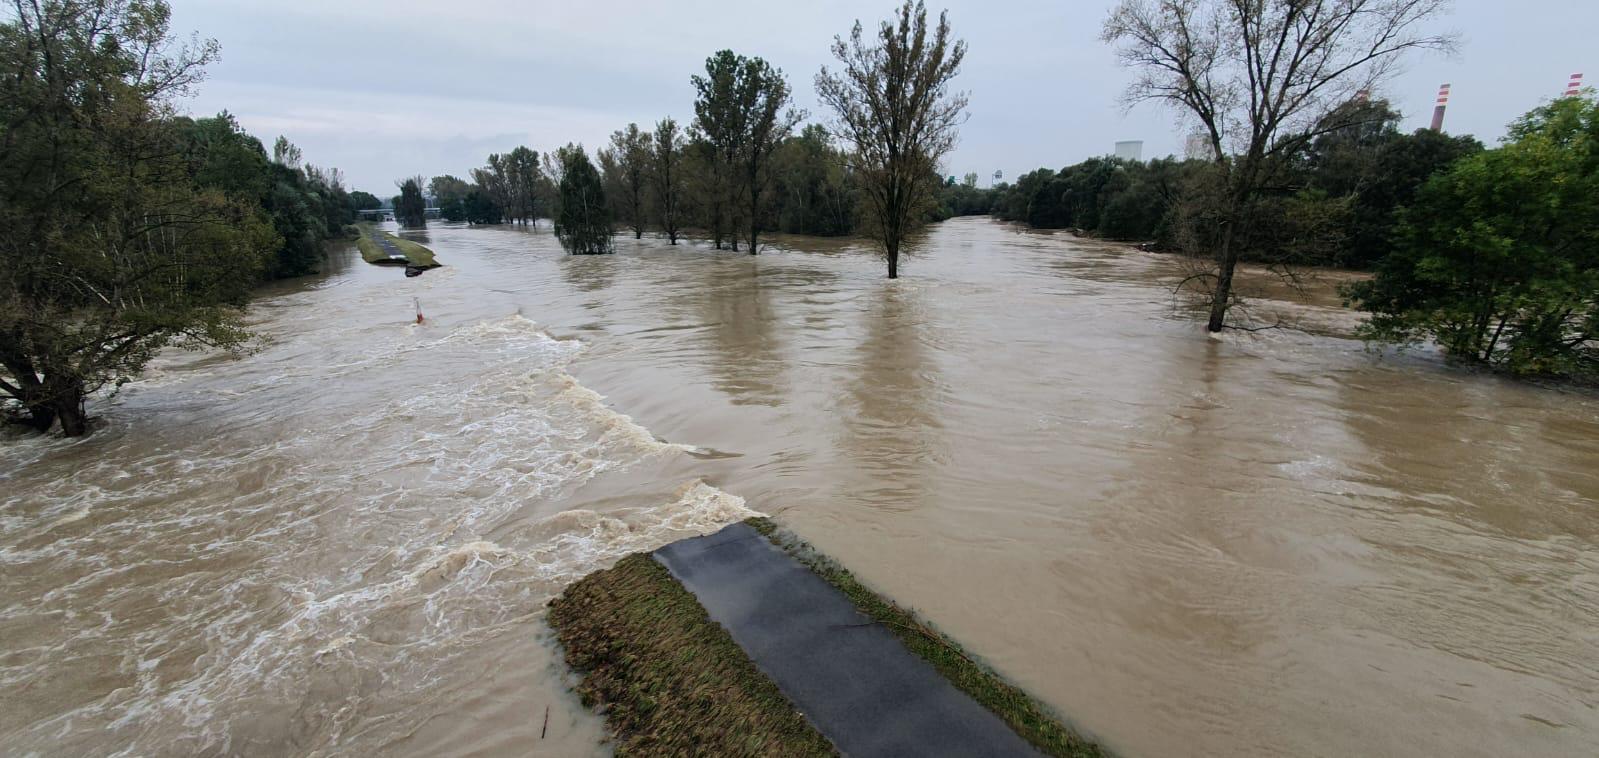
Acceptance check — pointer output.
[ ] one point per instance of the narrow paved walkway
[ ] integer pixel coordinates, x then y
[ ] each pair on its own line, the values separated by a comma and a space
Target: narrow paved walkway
390, 249
855, 682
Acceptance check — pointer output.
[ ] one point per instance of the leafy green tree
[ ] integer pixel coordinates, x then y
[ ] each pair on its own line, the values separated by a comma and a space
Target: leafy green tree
632, 150
1498, 257
479, 208
306, 205
667, 175
1380, 170
453, 209
495, 181
966, 199
326, 186
112, 251
763, 93
410, 209
583, 223
892, 103
449, 192
364, 201
522, 174
704, 200
1401, 168
812, 190
720, 129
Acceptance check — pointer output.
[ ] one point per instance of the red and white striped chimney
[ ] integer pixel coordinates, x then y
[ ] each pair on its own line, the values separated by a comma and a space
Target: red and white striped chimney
1574, 85
1438, 112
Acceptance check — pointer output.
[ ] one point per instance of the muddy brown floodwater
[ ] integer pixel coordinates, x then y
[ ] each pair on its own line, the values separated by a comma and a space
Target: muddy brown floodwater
1268, 544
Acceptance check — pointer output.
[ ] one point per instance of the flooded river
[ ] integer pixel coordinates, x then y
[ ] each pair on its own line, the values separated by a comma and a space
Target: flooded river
1268, 544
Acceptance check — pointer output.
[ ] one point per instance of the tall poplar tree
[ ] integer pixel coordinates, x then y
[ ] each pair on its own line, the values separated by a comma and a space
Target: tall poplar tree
891, 102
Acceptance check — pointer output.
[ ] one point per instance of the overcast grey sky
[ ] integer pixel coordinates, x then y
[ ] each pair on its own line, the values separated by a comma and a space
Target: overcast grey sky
390, 88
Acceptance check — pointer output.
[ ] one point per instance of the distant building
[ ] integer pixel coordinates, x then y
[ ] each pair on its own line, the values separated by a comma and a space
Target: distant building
1132, 150
1197, 148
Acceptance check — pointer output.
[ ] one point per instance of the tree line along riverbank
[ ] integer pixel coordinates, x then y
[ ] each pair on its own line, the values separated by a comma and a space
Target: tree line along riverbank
151, 228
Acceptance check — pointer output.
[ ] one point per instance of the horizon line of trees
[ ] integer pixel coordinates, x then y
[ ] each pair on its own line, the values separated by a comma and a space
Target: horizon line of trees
740, 168
129, 228
659, 185
1335, 205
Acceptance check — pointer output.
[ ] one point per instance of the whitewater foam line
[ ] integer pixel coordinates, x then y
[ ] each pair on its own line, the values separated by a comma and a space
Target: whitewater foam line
439, 584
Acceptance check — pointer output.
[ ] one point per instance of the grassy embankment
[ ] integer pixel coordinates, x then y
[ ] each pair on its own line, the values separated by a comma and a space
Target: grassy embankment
415, 254
672, 681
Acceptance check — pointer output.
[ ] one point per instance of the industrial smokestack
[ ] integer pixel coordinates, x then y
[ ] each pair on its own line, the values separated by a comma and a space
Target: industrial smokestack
1438, 112
1574, 86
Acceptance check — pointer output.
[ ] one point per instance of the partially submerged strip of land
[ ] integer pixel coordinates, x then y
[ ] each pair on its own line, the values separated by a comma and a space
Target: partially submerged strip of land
379, 247
1030, 719
669, 679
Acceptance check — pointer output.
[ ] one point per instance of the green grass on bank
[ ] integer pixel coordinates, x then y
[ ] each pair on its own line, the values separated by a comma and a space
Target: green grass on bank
1026, 716
415, 254
669, 680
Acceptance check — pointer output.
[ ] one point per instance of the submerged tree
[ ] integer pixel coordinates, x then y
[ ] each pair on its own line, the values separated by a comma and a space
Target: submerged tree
522, 178
584, 222
892, 103
763, 94
631, 150
495, 182
410, 209
666, 176
111, 250
479, 208
450, 193
719, 128
1263, 78
814, 194
1497, 258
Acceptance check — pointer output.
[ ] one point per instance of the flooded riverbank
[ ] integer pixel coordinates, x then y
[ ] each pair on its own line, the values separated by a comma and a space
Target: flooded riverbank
1270, 544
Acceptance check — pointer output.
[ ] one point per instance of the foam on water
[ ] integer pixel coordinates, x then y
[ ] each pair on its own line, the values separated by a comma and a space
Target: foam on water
277, 560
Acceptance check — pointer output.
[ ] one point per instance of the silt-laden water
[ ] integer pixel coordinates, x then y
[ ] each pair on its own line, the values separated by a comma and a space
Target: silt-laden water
1269, 544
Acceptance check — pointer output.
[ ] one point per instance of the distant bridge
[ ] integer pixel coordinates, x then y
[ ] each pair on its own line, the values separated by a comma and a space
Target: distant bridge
387, 214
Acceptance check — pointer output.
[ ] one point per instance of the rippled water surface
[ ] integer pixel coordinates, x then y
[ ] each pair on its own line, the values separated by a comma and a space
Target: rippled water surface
1277, 543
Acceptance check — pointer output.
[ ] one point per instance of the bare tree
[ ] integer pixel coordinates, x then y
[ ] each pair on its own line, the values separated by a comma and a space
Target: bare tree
666, 175
1263, 78
892, 104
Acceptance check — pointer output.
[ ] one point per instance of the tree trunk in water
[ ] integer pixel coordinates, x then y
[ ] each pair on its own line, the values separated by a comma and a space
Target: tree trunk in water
69, 410
40, 417
1219, 300
893, 260
755, 212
